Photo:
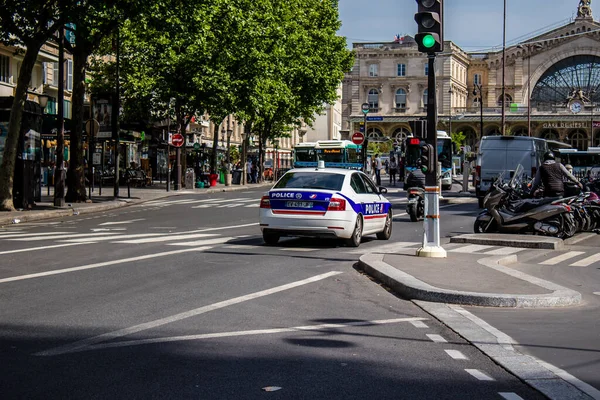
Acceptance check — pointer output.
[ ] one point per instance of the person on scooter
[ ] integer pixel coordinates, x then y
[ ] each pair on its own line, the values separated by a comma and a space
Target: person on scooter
551, 174
416, 178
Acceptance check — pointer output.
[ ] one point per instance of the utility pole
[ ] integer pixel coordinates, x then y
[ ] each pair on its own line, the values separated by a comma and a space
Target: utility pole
430, 40
504, 72
115, 121
59, 179
365, 109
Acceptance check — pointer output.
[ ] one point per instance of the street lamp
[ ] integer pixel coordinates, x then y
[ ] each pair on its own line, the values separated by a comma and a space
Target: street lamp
478, 90
528, 47
43, 101
365, 109
451, 92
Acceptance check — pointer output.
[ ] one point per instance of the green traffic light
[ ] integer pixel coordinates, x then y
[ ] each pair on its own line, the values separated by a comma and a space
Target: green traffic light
428, 41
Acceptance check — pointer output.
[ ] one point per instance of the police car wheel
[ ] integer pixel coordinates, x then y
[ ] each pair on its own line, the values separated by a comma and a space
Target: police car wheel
386, 233
271, 238
356, 237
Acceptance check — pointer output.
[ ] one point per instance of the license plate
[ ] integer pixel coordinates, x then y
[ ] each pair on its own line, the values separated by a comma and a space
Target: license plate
299, 204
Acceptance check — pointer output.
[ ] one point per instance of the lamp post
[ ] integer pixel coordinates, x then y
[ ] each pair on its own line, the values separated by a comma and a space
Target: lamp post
229, 133
592, 93
451, 92
478, 90
244, 134
275, 160
528, 47
365, 109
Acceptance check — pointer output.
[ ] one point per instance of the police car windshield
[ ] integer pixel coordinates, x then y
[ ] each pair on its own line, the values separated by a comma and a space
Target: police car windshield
310, 180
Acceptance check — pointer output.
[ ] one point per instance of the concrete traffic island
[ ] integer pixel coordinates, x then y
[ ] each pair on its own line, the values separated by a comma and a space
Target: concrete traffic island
510, 240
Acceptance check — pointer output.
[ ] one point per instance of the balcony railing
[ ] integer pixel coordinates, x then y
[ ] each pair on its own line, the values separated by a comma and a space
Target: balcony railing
539, 109
401, 110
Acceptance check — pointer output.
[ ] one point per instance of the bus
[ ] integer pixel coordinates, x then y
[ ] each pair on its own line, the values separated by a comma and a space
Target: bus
335, 153
583, 162
444, 152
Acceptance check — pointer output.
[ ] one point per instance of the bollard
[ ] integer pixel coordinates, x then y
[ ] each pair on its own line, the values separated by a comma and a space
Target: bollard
168, 178
466, 172
128, 188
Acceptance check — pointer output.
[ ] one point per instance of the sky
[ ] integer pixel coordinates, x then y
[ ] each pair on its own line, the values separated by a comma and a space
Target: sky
472, 24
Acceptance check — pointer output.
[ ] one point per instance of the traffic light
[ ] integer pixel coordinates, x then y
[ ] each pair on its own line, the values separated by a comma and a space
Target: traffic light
427, 159
429, 18
419, 128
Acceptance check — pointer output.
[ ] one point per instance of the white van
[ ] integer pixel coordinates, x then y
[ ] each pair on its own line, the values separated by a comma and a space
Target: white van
498, 154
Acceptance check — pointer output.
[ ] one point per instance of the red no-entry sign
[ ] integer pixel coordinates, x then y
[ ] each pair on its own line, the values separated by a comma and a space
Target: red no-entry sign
358, 138
177, 140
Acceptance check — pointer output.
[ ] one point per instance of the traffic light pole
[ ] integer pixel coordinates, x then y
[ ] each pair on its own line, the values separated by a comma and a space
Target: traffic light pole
431, 224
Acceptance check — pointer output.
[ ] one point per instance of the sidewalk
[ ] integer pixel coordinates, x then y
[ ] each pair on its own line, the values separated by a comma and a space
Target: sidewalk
438, 286
45, 209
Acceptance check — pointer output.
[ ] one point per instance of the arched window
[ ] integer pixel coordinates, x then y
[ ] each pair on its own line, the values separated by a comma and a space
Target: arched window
471, 139
425, 97
578, 140
493, 131
374, 133
400, 134
373, 99
520, 131
508, 100
549, 134
400, 98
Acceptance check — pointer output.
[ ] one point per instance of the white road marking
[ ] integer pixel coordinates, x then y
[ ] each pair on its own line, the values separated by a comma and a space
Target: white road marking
107, 229
99, 265
399, 215
419, 324
503, 251
60, 237
587, 261
298, 249
165, 238
82, 344
232, 205
436, 338
455, 354
597, 293
239, 247
579, 384
479, 375
387, 248
472, 248
219, 240
2, 236
510, 396
122, 222
40, 248
139, 342
253, 205
107, 238
562, 257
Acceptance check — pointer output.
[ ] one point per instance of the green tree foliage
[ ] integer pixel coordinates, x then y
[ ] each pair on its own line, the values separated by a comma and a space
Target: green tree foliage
28, 23
458, 138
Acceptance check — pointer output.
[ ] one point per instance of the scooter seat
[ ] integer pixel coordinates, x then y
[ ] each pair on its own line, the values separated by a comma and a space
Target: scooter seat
530, 204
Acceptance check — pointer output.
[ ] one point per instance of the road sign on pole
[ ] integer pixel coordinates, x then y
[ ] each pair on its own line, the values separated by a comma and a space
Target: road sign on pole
92, 127
358, 138
177, 140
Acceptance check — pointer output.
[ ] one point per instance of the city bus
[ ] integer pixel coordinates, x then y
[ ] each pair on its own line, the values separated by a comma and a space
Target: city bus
444, 152
582, 161
335, 153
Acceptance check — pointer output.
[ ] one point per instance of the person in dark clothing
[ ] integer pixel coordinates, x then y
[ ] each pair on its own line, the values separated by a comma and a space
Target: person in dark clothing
551, 174
415, 178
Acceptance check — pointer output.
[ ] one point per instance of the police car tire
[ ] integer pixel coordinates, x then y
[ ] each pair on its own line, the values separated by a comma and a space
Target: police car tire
386, 233
271, 238
354, 240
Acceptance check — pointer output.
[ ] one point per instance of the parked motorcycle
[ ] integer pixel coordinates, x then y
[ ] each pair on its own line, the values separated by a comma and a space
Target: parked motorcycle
416, 203
506, 210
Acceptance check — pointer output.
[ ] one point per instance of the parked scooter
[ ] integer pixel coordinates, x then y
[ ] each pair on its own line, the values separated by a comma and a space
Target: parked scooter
506, 211
416, 203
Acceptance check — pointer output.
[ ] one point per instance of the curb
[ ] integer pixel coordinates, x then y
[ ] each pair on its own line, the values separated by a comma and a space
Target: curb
29, 216
499, 239
414, 289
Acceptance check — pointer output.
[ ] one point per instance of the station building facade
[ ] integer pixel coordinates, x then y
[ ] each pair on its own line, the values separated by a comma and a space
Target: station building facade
551, 85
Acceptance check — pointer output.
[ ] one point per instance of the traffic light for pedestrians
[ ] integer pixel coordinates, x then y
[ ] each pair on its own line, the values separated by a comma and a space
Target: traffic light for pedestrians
429, 18
427, 159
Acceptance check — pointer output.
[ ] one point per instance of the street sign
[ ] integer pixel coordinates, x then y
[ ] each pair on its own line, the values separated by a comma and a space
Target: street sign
374, 118
177, 140
196, 146
91, 127
365, 108
358, 138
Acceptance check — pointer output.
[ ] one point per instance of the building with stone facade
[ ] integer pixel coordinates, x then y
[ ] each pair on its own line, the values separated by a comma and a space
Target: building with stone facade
552, 85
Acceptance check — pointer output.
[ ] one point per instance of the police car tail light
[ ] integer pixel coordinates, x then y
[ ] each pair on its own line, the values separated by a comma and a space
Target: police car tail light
413, 192
265, 202
337, 205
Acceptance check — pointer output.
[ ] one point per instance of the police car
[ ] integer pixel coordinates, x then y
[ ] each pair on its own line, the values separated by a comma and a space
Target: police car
325, 202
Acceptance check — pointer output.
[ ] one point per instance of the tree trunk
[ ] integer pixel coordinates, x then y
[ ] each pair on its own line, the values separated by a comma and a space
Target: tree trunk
213, 156
76, 172
7, 169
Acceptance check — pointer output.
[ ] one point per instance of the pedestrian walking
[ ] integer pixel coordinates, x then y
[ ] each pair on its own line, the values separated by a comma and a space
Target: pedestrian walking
552, 176
377, 166
249, 171
393, 170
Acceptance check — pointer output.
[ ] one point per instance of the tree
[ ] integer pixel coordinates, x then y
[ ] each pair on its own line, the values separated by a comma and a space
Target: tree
28, 23
458, 138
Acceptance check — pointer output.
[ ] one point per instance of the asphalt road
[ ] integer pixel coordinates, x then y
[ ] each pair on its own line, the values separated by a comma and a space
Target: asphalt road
179, 298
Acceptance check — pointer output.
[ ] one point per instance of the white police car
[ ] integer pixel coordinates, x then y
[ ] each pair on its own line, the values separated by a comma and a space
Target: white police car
325, 202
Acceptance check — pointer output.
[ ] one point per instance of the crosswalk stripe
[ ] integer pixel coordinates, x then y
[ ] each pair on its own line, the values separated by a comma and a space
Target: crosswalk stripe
387, 248
562, 257
298, 249
252, 205
107, 238
40, 248
206, 242
60, 237
587, 261
472, 248
503, 251
32, 234
165, 238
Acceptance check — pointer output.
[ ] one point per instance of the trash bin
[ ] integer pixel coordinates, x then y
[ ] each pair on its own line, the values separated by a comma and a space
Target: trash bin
213, 179
236, 177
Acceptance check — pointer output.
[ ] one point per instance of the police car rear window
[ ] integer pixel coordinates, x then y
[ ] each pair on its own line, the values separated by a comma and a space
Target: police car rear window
308, 180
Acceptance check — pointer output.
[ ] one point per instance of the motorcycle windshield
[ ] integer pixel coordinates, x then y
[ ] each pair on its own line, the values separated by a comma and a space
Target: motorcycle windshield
517, 176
